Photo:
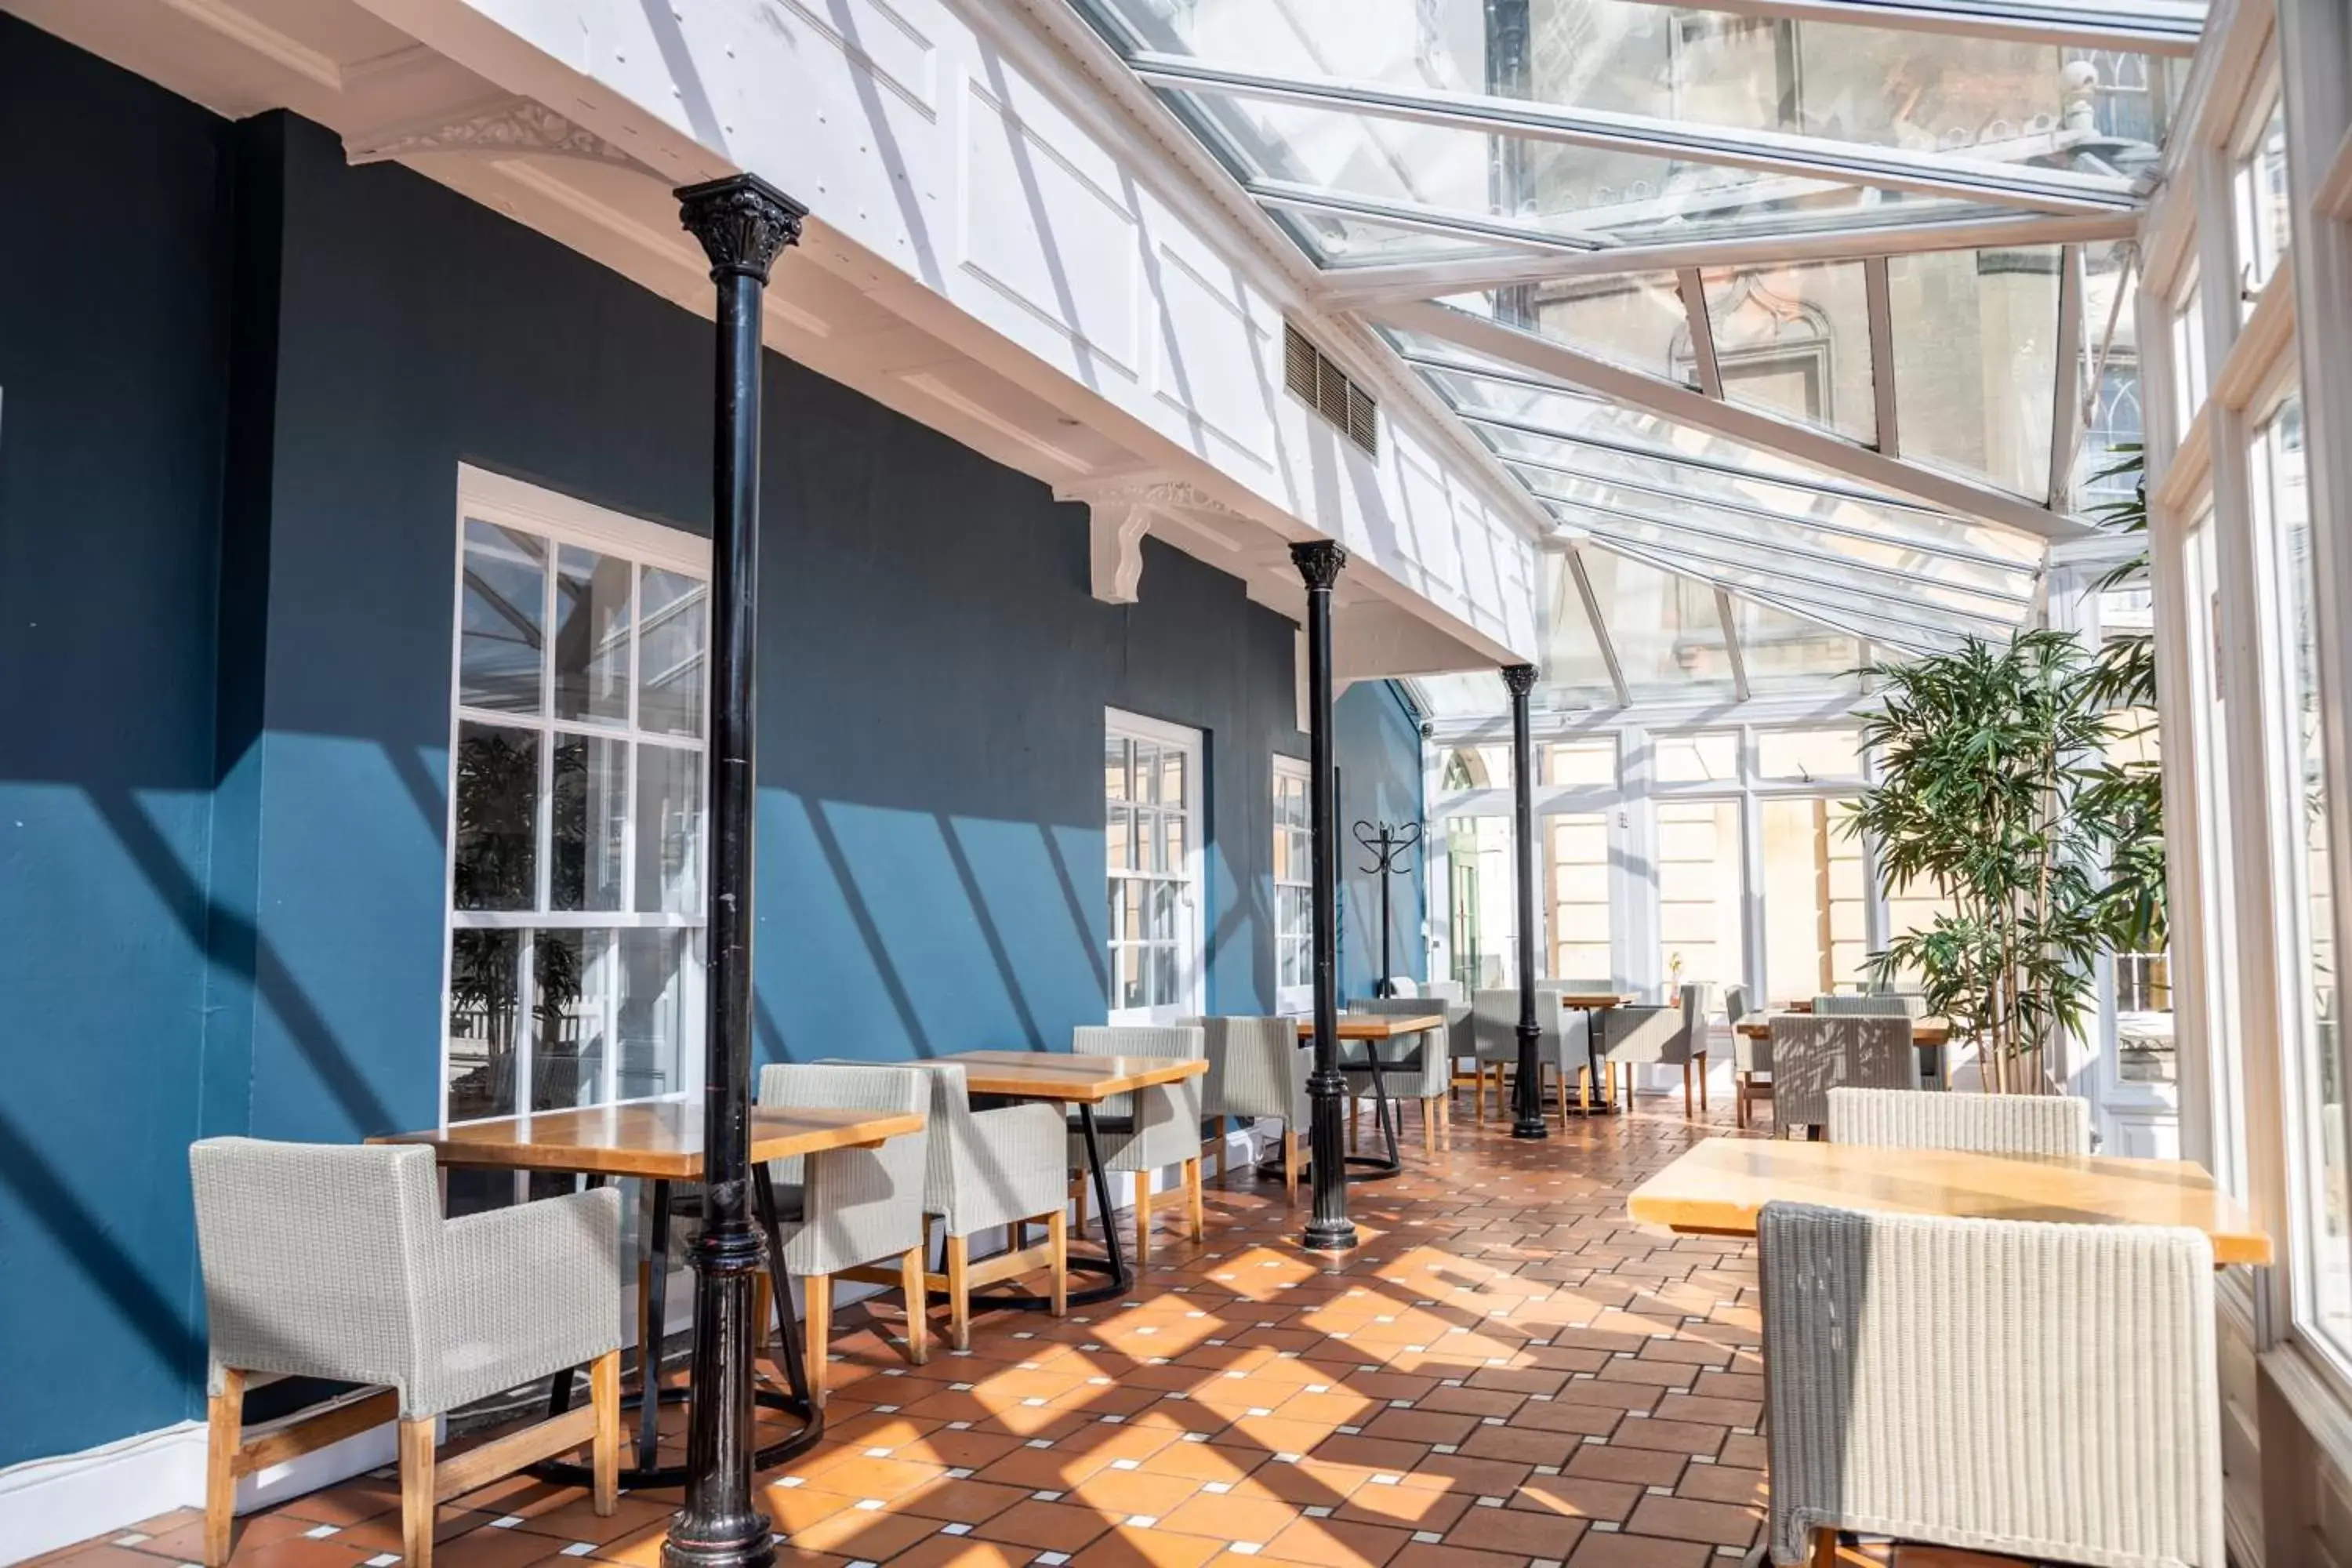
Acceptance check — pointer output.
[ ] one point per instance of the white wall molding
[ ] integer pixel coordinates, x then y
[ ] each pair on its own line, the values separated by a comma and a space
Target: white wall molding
502, 127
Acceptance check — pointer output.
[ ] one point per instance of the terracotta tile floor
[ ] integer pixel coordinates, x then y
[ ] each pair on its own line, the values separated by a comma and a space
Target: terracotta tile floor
1506, 1373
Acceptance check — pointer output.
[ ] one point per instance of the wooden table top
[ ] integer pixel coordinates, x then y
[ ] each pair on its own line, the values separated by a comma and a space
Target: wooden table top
660, 1139
1377, 1026
1593, 1001
1066, 1076
1931, 1030
1718, 1188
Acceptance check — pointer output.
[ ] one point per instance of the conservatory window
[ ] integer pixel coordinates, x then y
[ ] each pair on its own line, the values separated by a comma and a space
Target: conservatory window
1806, 755
1294, 889
1570, 763
1816, 896
2315, 1063
2264, 210
2188, 350
1699, 898
1709, 756
1576, 869
576, 853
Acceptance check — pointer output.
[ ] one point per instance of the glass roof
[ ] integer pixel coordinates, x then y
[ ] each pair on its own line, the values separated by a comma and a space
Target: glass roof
1801, 332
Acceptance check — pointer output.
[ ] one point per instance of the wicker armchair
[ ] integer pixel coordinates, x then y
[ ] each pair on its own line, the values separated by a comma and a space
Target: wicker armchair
1666, 1036
1813, 1054
1141, 1132
1751, 1058
1495, 1025
845, 1210
986, 1169
1412, 1067
1262, 1072
335, 1262
1870, 1004
2077, 1420
1984, 1123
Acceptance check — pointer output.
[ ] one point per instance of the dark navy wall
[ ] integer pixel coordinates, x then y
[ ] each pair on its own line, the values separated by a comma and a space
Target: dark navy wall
1376, 742
227, 543
113, 336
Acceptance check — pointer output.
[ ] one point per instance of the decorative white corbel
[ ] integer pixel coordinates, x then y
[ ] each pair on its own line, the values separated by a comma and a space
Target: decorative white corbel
1121, 513
503, 127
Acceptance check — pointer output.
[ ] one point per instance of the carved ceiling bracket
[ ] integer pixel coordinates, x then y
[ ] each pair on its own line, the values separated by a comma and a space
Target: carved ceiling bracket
504, 128
1121, 513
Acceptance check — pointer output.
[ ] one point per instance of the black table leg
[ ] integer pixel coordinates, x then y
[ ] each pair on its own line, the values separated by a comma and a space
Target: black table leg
649, 1352
1113, 1263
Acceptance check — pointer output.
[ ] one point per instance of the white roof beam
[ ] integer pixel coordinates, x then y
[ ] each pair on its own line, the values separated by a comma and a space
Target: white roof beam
1723, 613
1557, 256
1733, 572
1879, 293
1768, 151
1751, 426
1592, 602
2066, 404
2158, 27
1909, 636
1797, 519
1702, 332
1786, 547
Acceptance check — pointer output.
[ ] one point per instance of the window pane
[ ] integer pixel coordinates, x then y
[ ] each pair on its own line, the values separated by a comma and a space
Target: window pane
1814, 939
1146, 773
1577, 849
1118, 838
1698, 892
485, 1018
502, 620
2189, 351
1805, 754
497, 818
669, 831
660, 1013
591, 636
1710, 757
1580, 762
1976, 361
1667, 631
2280, 499
2265, 215
1172, 780
1114, 768
1795, 341
591, 826
1171, 835
569, 979
672, 613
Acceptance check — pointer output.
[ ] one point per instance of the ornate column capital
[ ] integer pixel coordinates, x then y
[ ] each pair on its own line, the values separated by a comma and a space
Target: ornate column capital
1519, 677
1319, 562
742, 222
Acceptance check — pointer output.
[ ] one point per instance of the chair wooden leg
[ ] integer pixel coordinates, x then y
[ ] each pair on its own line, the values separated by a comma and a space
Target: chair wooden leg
816, 1331
1429, 1127
227, 1430
1057, 1239
1740, 1099
1196, 1207
1824, 1552
1081, 1185
416, 1492
605, 1451
918, 1320
960, 1292
1686, 1092
1584, 1088
762, 1287
1142, 1219
1445, 1119
1702, 1081
1290, 1164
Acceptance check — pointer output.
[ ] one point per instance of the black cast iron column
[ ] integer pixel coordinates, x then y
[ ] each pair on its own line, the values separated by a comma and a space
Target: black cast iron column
1329, 1229
742, 222
1527, 1096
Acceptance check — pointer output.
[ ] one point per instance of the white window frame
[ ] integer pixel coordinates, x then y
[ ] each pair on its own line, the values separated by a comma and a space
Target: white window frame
562, 520
1297, 999
1191, 924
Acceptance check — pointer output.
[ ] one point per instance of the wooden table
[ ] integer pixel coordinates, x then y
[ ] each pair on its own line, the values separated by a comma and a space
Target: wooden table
660, 1141
1375, 1026
1086, 1082
1719, 1187
1592, 1004
1369, 1029
1927, 1030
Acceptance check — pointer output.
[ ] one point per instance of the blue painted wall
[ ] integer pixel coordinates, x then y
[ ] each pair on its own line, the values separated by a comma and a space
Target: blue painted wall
228, 536
113, 339
1376, 743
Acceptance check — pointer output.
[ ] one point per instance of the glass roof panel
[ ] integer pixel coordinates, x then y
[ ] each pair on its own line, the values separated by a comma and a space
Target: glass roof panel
1474, 695
1575, 673
1989, 98
1896, 623
1665, 628
1975, 361
1587, 194
1794, 339
1630, 319
1784, 652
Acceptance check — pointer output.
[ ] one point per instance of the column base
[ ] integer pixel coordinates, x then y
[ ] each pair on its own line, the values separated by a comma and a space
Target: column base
1340, 1238
1538, 1128
754, 1548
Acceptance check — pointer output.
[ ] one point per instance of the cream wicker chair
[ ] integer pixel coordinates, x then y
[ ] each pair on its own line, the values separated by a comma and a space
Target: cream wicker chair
1813, 1054
987, 1169
1262, 1072
1141, 1132
1659, 1036
1412, 1067
335, 1262
2077, 1418
841, 1212
1982, 1123
1858, 1005
1494, 1033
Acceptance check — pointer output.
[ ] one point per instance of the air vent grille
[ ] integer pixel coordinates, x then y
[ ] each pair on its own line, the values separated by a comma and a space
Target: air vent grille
1323, 387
